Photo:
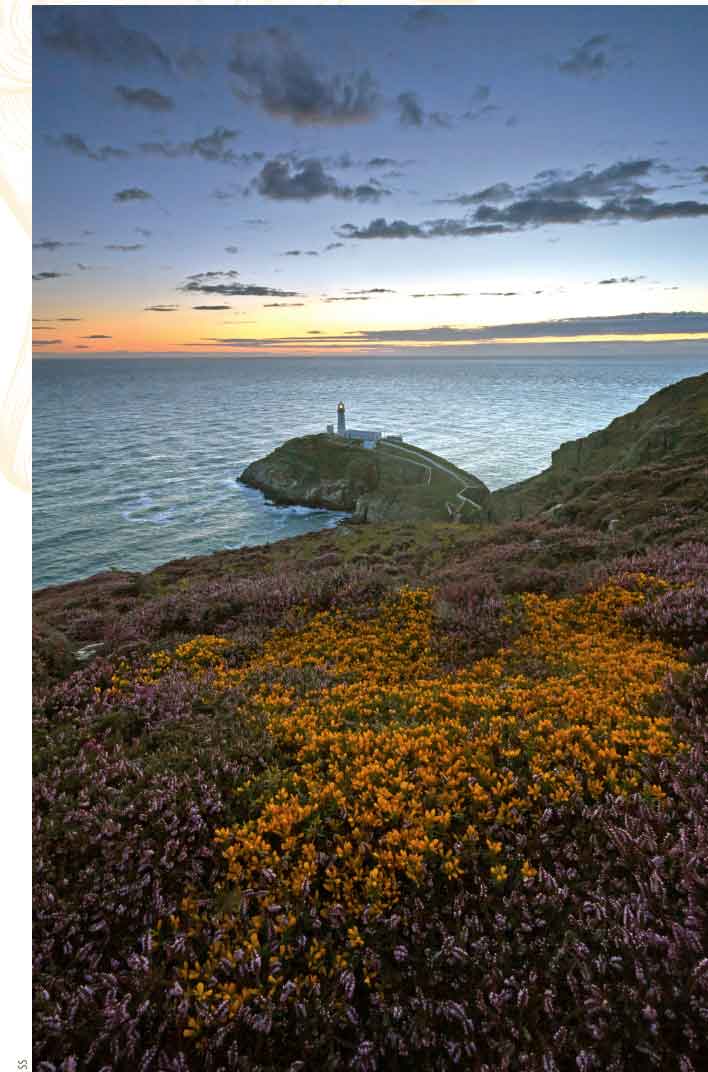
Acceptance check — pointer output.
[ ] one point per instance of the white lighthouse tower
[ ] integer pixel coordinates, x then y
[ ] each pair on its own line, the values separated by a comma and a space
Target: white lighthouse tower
341, 421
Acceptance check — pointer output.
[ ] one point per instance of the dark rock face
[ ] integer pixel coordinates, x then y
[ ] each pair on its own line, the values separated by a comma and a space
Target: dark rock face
390, 482
671, 427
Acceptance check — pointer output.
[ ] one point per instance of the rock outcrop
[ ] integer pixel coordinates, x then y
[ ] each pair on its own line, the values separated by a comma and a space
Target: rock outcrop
394, 481
669, 429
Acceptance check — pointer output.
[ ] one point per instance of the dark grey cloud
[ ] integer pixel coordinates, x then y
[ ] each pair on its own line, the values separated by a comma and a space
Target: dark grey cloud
442, 228
620, 279
226, 195
334, 245
374, 290
231, 249
161, 308
500, 191
143, 231
451, 294
118, 247
75, 144
96, 33
84, 267
149, 99
589, 60
133, 193
424, 18
688, 323
617, 180
69, 319
308, 180
286, 84
96, 336
51, 245
499, 293
39, 276
703, 172
197, 284
611, 195
221, 308
258, 222
301, 253
382, 162
479, 113
82, 346
201, 277
46, 342
213, 147
348, 298
410, 110
283, 305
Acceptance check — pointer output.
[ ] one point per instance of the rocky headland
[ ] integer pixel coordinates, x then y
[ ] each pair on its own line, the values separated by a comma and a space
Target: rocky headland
396, 481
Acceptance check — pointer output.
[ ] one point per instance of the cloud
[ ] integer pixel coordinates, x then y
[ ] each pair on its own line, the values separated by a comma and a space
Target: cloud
424, 18
283, 305
46, 342
49, 244
410, 110
212, 147
500, 191
374, 290
452, 294
620, 179
382, 162
211, 307
134, 193
96, 336
611, 195
703, 172
200, 277
350, 298
96, 33
589, 60
39, 276
231, 249
620, 279
286, 85
300, 253
161, 308
150, 99
143, 231
117, 247
443, 228
334, 245
69, 319
75, 144
82, 346
197, 284
629, 324
308, 180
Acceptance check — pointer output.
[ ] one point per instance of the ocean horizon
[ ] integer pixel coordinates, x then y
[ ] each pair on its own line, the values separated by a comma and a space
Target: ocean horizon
136, 461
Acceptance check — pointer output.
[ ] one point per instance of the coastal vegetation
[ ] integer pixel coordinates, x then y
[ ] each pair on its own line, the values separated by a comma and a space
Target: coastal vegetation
416, 795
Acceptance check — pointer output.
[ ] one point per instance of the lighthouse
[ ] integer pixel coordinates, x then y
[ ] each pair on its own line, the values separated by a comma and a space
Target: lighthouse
341, 422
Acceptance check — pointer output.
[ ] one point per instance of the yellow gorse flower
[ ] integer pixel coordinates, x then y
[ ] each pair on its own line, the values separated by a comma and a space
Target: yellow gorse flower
391, 769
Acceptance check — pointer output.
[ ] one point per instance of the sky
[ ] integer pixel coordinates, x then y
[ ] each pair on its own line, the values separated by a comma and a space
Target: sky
369, 180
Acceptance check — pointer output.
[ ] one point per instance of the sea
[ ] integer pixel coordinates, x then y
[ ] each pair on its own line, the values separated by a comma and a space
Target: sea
137, 460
